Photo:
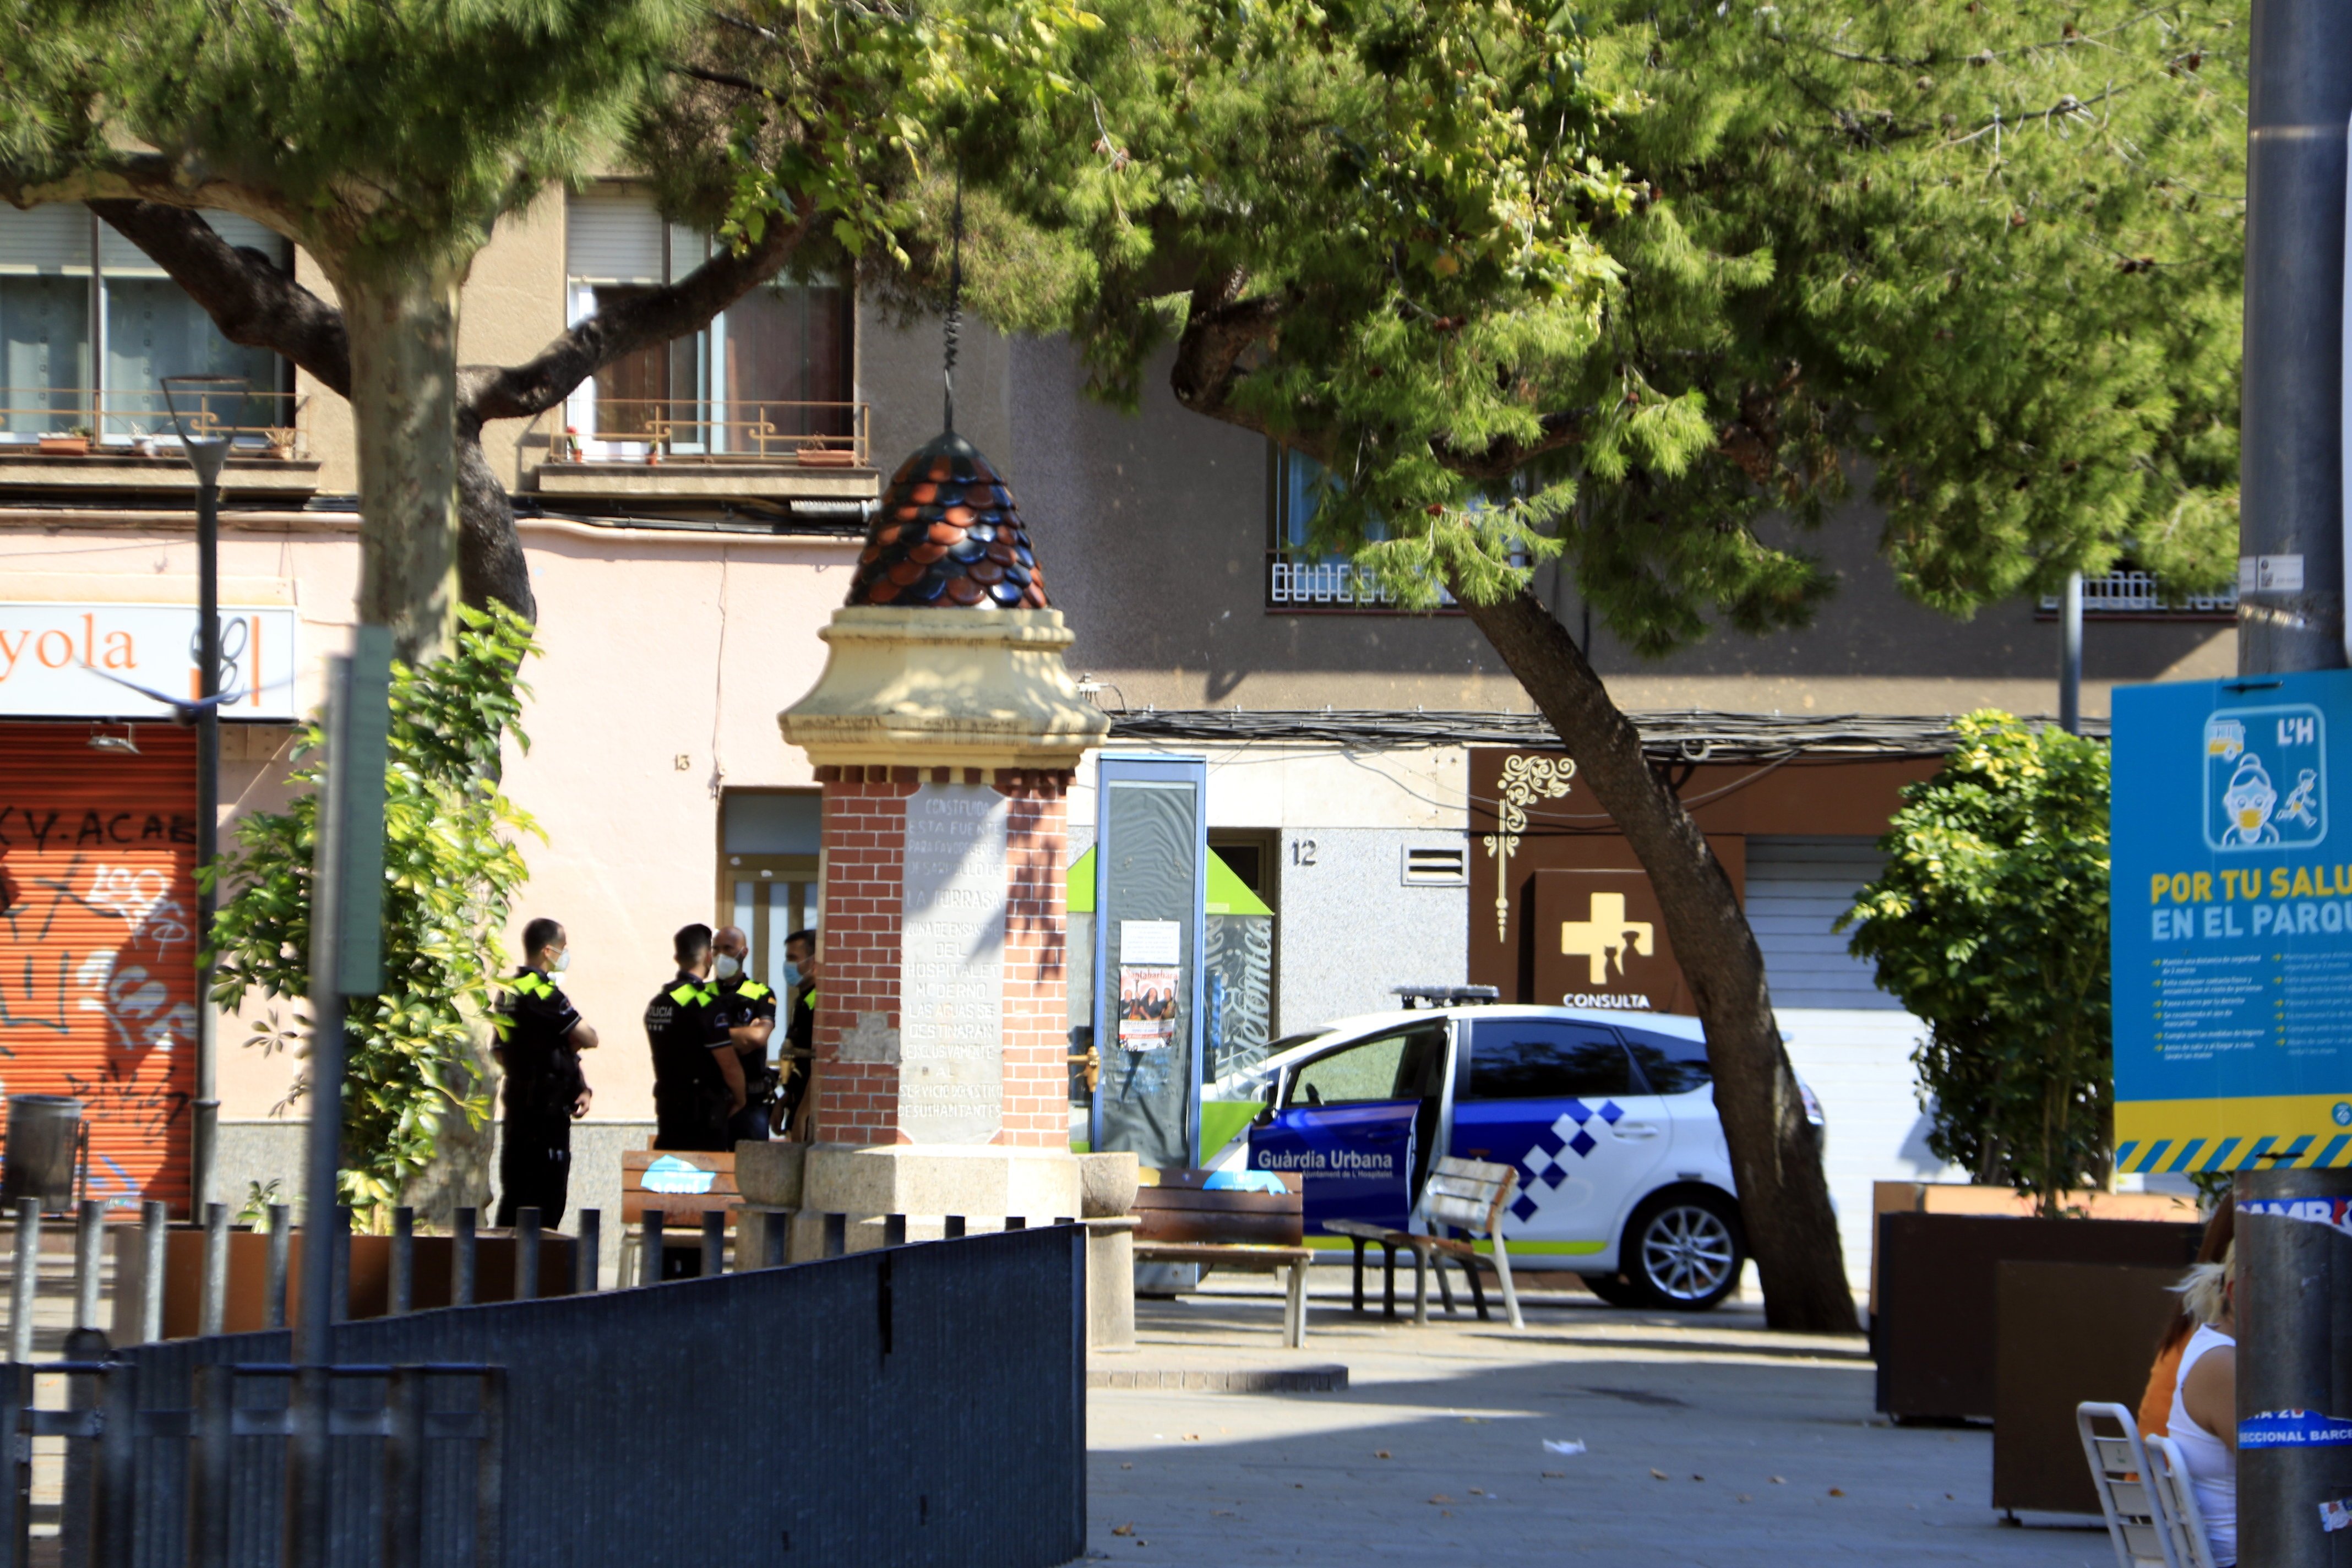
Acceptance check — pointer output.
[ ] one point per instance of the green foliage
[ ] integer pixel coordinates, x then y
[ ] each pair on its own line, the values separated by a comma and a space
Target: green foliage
381, 134
451, 868
1990, 923
1694, 267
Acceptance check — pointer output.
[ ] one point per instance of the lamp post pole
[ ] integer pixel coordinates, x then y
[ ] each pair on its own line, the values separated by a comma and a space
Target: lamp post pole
207, 440
2293, 1276
207, 457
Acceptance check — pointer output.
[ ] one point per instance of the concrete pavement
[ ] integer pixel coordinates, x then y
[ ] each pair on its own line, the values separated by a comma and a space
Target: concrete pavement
1709, 1442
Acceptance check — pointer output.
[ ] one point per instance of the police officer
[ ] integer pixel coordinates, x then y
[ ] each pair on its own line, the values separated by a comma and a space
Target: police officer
697, 1078
750, 1009
540, 1036
799, 1056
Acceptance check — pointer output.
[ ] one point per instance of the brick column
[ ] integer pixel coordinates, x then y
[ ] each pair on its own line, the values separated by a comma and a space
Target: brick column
858, 1001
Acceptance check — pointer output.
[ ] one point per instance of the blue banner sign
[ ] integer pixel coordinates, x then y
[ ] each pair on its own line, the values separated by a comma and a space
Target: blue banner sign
2233, 924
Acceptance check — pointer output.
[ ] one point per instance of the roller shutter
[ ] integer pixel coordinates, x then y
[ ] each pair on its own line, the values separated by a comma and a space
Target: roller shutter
1797, 888
97, 991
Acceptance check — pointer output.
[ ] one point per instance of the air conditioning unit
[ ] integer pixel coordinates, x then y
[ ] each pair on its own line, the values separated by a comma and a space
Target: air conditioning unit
1444, 867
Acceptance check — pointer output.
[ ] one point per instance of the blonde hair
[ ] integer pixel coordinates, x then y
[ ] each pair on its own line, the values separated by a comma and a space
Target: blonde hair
2200, 1288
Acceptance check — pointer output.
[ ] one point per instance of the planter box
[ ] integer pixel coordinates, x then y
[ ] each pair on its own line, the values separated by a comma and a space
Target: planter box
1933, 1334
1956, 1197
2066, 1332
65, 445
246, 1309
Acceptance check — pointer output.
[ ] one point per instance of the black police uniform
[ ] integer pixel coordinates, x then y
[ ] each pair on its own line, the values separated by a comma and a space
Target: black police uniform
800, 1038
684, 1022
543, 1081
746, 1000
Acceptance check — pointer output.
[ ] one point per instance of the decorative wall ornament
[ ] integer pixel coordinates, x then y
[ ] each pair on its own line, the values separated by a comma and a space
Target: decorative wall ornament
1525, 781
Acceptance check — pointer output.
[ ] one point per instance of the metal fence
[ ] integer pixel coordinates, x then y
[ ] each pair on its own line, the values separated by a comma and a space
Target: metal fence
913, 1404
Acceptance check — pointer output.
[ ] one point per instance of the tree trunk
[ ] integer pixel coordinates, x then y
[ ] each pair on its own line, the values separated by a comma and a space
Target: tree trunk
1784, 1200
403, 329
491, 564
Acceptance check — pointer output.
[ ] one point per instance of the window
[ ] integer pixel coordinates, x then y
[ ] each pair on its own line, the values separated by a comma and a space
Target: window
1673, 1066
772, 376
2130, 593
768, 870
60, 270
1536, 1058
1404, 1066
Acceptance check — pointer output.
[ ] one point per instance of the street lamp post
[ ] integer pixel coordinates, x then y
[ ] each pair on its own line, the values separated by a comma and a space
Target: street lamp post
206, 442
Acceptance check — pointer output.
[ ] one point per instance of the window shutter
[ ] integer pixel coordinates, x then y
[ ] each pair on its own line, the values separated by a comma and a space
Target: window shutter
612, 236
51, 239
1797, 888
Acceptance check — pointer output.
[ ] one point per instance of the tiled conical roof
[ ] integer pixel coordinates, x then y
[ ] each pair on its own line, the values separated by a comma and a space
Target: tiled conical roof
947, 535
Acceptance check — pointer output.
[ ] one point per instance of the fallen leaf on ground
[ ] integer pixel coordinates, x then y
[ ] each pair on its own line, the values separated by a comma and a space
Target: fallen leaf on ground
1380, 1452
1745, 1498
1837, 1491
1555, 1475
1127, 1529
1698, 1478
1778, 1481
1441, 1497
1191, 1436
1658, 1475
1128, 1465
1477, 1491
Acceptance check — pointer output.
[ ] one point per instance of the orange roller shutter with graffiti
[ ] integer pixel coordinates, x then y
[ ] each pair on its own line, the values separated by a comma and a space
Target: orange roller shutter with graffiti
98, 990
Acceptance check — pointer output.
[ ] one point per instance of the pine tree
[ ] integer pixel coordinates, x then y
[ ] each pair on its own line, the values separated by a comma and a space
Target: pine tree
1647, 287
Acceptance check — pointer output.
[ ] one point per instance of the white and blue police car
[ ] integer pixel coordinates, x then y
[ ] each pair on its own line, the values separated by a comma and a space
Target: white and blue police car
1609, 1117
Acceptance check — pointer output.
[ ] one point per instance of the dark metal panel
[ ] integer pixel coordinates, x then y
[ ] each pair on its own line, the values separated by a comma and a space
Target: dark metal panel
2066, 1332
919, 1405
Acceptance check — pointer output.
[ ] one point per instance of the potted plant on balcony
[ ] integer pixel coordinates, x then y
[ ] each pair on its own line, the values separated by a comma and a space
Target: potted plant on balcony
75, 443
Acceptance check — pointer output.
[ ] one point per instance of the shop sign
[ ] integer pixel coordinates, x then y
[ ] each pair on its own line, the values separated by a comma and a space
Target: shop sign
48, 653
2232, 919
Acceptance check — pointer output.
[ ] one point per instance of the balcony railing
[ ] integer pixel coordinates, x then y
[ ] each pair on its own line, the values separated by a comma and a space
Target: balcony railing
816, 435
2135, 593
121, 423
1329, 584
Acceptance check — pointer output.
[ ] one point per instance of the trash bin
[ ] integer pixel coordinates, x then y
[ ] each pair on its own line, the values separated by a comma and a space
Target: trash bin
44, 1140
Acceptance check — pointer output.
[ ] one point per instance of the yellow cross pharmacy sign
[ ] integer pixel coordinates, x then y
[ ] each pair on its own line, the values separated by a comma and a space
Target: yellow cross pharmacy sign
1607, 934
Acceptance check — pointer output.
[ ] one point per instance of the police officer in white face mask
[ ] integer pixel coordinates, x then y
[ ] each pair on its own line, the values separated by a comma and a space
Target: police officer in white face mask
751, 1010
540, 1036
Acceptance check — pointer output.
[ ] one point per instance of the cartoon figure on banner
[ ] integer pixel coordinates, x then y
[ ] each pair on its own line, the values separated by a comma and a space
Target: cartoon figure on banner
2244, 806
1147, 1006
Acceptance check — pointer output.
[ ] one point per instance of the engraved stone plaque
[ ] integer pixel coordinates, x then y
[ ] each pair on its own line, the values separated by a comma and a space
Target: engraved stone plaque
951, 965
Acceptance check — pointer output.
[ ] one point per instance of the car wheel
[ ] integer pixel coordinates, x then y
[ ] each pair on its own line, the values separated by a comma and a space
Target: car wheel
1682, 1250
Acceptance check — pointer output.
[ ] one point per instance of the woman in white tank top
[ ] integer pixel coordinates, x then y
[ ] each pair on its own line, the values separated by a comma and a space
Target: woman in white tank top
2204, 1422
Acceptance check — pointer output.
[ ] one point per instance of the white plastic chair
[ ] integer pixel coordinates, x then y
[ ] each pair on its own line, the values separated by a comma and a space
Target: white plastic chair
2184, 1524
2138, 1521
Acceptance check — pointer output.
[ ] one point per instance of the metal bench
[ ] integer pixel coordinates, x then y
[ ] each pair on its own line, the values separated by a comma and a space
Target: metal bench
1180, 1219
1468, 1195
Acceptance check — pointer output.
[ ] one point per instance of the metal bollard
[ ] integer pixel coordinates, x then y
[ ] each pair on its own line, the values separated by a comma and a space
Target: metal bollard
281, 1244
526, 1254
954, 1229
461, 1259
714, 1242
585, 1251
26, 1281
338, 1265
893, 1230
400, 1287
836, 1235
649, 1250
212, 1311
155, 1239
89, 1261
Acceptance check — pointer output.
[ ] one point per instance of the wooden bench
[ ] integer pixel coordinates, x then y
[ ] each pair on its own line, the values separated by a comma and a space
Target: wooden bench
1468, 1195
678, 1184
1180, 1219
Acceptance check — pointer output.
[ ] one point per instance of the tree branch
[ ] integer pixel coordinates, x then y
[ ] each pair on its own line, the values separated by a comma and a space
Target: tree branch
518, 392
249, 300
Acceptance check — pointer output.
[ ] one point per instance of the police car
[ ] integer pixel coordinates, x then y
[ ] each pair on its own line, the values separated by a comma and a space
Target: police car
1609, 1117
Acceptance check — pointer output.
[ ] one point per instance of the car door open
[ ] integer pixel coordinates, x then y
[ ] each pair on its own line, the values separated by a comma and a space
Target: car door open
1356, 1122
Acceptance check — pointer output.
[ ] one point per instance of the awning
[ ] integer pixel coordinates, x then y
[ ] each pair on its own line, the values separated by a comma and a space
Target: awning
1226, 894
